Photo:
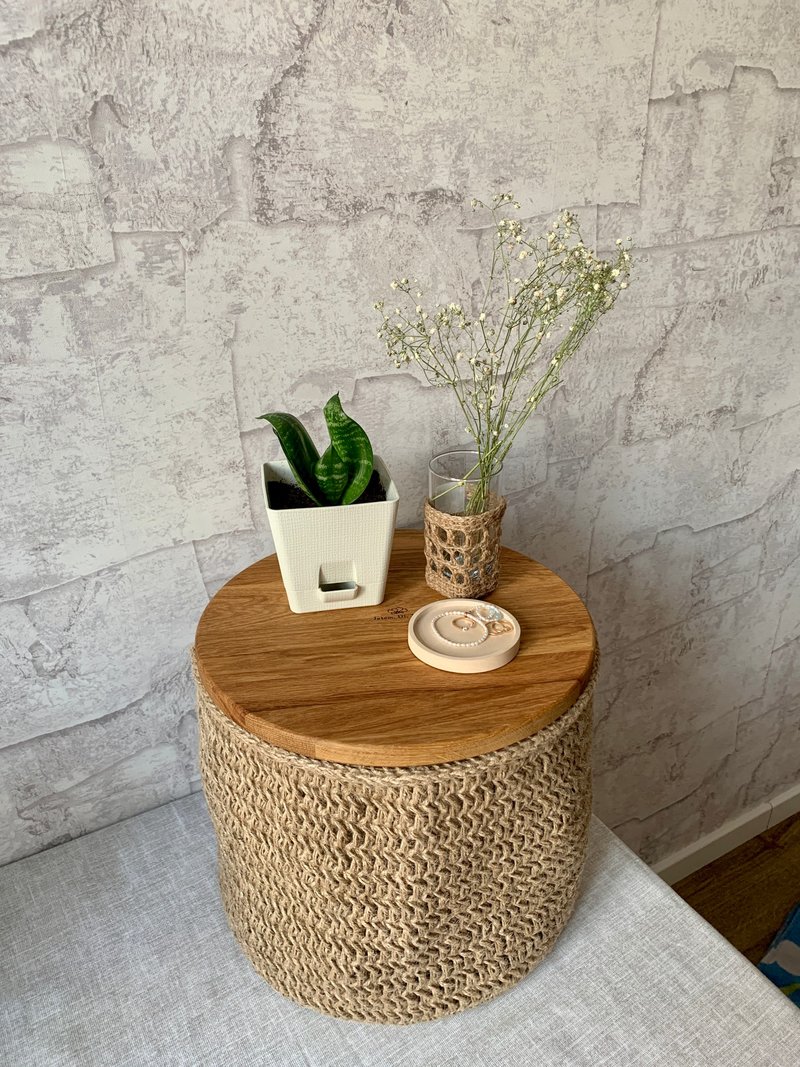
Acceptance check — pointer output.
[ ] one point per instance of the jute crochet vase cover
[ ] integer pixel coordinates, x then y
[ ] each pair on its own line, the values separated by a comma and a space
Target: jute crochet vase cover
462, 552
398, 894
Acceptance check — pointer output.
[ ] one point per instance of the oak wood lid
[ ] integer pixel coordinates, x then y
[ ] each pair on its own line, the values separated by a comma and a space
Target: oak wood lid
344, 685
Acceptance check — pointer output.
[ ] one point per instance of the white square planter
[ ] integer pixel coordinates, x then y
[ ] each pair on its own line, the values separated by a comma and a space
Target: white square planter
336, 557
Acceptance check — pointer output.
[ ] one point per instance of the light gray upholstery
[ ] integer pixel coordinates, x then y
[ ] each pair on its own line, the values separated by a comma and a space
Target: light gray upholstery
114, 951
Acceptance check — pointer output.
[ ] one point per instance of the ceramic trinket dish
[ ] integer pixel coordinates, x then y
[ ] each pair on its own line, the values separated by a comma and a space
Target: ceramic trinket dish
464, 636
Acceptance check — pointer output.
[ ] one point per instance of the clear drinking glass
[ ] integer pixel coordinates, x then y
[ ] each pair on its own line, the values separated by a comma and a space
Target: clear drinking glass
455, 484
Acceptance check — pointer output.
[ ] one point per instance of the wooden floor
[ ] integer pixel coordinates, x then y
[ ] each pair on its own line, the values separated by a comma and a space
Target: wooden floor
746, 894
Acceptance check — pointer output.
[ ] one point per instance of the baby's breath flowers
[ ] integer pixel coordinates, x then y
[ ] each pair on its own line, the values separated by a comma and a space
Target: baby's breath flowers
503, 355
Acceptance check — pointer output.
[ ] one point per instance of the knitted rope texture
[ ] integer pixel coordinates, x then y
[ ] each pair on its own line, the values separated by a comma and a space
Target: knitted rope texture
462, 552
397, 895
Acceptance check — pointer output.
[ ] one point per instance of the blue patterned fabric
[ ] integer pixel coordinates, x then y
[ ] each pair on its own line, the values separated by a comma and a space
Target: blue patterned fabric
782, 963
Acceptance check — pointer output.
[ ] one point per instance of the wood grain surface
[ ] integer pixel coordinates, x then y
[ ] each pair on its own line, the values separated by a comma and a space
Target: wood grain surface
747, 893
344, 686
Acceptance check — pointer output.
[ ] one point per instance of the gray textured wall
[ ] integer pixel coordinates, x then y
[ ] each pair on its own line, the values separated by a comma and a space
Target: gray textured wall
199, 202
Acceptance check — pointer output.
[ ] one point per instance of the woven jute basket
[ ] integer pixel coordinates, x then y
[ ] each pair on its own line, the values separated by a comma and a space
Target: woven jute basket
397, 895
462, 552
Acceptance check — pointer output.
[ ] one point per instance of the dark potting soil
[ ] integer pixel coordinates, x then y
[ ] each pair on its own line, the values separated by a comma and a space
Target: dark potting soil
283, 496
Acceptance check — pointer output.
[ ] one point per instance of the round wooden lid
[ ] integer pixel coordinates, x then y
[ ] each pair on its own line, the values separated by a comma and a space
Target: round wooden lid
344, 686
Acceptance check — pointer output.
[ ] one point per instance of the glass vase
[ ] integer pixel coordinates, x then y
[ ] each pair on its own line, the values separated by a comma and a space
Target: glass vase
460, 484
463, 517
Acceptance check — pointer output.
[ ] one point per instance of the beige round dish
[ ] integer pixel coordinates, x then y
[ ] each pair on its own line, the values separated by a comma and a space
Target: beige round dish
464, 636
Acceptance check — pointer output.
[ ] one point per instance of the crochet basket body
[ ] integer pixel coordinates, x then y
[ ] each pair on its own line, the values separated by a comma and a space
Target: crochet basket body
462, 552
398, 894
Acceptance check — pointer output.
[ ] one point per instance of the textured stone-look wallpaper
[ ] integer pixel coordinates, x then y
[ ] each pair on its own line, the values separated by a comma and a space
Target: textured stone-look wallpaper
199, 202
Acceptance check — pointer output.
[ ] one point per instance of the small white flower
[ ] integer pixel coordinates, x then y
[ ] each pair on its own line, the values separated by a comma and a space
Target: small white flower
523, 254
614, 273
512, 300
394, 285
419, 309
618, 242
623, 285
482, 317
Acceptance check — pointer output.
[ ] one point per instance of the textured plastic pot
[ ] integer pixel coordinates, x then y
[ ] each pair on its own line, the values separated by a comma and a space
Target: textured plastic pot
336, 557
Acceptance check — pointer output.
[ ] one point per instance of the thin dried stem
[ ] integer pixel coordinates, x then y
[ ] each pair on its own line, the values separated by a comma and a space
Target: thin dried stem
502, 361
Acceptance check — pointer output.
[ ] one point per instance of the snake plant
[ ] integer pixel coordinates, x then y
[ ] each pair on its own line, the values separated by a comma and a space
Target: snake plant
338, 476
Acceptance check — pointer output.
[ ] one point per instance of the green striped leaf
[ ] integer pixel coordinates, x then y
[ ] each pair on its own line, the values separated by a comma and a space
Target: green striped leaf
300, 451
353, 447
332, 474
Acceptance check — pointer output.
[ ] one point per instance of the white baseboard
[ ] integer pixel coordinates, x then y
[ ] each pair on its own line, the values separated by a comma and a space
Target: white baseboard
785, 804
729, 836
